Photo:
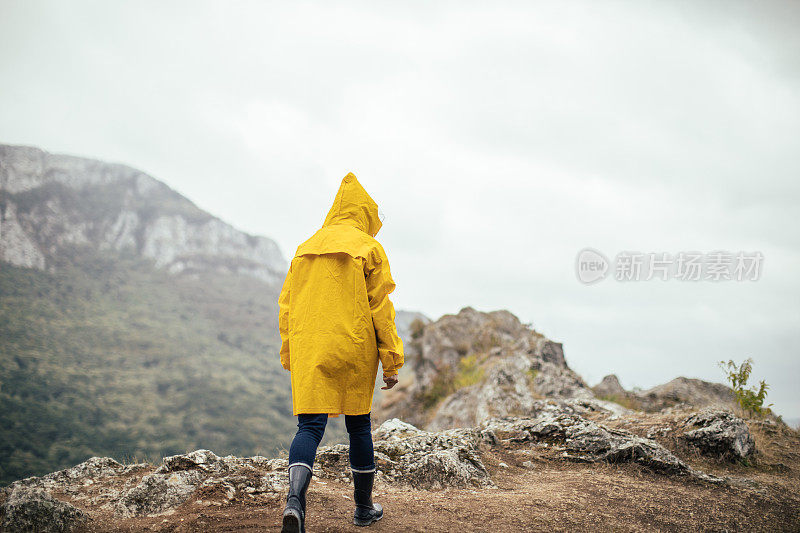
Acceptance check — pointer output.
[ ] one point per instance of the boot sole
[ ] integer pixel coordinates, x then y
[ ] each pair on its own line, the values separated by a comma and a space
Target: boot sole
291, 522
363, 523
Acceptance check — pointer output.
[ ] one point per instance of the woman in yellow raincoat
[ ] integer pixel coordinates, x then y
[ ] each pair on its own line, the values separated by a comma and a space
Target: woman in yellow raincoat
336, 322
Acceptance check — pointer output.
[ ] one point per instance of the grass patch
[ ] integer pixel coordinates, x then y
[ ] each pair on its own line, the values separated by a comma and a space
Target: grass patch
469, 372
625, 401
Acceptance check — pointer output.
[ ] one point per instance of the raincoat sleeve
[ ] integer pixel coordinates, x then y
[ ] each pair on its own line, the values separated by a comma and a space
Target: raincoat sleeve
379, 285
283, 319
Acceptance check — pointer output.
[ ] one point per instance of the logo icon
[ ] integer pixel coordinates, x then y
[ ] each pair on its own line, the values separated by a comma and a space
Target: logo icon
591, 266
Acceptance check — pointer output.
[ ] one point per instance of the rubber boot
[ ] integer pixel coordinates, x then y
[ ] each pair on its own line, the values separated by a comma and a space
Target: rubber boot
294, 515
366, 511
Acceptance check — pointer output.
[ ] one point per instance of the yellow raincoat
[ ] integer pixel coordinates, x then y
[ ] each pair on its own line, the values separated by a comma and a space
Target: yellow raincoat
335, 318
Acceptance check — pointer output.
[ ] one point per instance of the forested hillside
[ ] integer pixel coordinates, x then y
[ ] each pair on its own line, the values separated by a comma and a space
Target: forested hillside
109, 356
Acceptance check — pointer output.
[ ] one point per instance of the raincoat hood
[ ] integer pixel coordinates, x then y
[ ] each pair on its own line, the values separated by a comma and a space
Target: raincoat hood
353, 206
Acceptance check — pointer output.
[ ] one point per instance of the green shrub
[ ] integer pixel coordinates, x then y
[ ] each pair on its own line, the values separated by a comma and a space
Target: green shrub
751, 400
441, 387
448, 381
469, 372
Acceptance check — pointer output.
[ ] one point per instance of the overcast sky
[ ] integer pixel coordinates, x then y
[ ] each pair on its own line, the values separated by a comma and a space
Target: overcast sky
499, 139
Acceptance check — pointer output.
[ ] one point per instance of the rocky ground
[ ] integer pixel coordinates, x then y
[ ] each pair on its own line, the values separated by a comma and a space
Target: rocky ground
570, 464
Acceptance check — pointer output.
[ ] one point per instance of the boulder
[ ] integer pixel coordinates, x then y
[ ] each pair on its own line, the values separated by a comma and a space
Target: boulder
719, 433
28, 510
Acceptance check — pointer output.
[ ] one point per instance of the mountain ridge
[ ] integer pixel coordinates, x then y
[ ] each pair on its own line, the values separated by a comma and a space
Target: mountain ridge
50, 201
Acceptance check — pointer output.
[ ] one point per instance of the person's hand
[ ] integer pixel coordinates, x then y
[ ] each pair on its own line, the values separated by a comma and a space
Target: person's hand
390, 381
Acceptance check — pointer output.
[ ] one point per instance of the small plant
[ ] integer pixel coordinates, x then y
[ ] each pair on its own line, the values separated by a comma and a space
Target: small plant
469, 372
751, 399
441, 387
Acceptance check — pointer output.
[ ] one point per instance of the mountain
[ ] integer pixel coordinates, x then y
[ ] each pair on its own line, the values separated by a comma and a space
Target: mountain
132, 323
51, 204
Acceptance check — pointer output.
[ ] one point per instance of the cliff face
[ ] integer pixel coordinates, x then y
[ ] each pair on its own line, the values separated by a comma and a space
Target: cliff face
51, 203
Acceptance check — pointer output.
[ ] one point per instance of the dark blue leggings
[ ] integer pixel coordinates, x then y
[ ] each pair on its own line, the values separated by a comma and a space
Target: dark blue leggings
309, 434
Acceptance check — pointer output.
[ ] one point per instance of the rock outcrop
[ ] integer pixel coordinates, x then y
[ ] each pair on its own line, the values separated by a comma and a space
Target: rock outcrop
404, 454
719, 433
93, 468
609, 387
180, 476
588, 441
472, 366
408, 455
36, 510
691, 392
50, 202
680, 392
557, 430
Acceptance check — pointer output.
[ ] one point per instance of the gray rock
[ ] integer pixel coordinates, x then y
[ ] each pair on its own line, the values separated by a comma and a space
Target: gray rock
404, 454
460, 466
157, 493
28, 510
408, 455
179, 476
16, 246
473, 366
609, 386
509, 390
95, 468
719, 433
553, 352
587, 441
690, 392
227, 489
205, 460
